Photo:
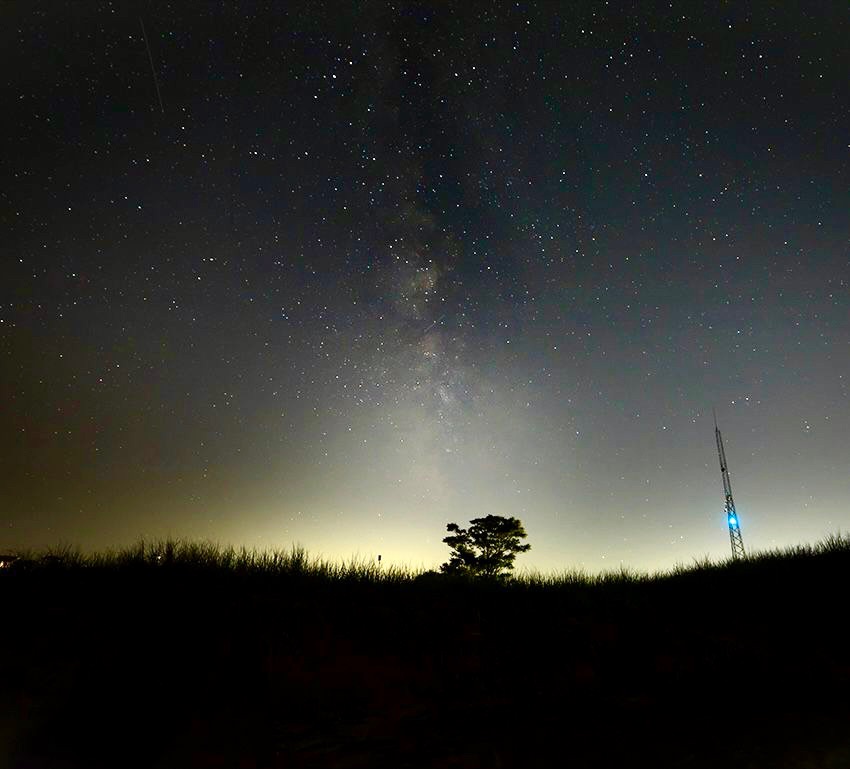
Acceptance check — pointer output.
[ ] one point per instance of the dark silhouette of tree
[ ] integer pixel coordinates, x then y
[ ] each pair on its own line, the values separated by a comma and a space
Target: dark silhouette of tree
487, 548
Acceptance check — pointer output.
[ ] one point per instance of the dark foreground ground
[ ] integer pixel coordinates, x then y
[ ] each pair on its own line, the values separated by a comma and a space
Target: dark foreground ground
179, 664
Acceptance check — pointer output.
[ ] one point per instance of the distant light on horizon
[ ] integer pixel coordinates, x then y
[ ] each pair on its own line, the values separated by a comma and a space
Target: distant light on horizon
374, 301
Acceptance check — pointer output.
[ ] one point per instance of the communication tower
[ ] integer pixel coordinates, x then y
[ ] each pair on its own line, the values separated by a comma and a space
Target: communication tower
731, 514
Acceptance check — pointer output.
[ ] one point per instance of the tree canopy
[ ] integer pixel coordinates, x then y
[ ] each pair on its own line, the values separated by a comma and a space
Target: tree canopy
487, 548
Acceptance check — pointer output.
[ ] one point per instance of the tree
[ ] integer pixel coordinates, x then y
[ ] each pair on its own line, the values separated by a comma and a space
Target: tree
487, 548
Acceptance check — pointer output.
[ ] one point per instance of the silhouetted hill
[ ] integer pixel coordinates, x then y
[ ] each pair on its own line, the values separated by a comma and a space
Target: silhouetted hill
181, 655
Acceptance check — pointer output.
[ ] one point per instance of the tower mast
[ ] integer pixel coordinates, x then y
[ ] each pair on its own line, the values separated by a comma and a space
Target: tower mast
731, 514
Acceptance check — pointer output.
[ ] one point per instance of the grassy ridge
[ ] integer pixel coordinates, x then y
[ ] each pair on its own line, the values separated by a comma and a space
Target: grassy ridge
210, 556
177, 654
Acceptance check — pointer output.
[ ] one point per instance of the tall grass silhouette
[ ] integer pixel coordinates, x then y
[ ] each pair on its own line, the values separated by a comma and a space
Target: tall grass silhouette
174, 653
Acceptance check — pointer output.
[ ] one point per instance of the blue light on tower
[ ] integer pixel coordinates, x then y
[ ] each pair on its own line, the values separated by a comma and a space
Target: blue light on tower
735, 538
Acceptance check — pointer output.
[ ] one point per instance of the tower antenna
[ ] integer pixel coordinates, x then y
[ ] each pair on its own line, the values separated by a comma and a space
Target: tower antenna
731, 514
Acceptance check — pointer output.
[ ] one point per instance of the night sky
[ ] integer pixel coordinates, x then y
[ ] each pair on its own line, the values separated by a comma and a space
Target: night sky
337, 274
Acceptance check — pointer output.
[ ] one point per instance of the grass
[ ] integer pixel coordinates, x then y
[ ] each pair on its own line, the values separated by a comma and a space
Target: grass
182, 654
207, 557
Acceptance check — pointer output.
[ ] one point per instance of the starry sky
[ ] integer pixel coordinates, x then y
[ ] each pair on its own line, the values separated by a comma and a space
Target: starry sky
337, 274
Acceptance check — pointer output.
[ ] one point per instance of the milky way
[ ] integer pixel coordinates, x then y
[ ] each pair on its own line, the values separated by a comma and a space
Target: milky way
356, 271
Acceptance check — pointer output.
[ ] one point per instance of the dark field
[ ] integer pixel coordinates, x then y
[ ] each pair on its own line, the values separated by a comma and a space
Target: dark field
186, 656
